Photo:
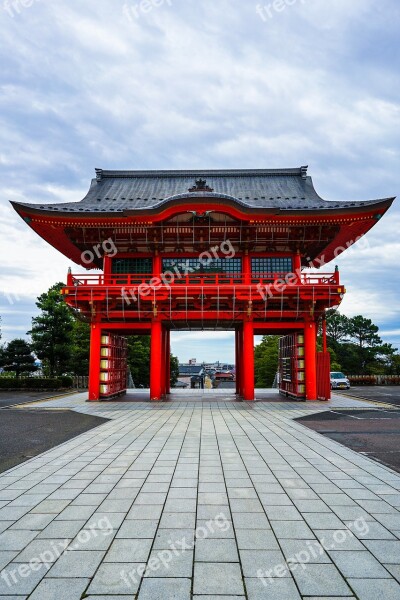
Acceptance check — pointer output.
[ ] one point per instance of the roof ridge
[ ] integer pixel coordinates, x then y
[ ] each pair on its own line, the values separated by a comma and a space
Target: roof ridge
110, 174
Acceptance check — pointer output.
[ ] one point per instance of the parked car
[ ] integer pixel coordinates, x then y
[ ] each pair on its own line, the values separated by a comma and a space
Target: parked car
181, 384
339, 381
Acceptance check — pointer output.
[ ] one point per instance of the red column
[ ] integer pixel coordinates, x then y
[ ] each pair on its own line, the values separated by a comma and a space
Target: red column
157, 265
246, 267
156, 361
94, 362
237, 361
310, 344
297, 265
324, 338
248, 360
168, 361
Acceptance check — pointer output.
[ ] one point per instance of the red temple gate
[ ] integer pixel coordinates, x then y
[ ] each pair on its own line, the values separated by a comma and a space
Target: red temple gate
227, 250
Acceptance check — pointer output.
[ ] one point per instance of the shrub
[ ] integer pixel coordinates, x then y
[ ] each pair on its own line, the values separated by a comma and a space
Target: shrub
35, 383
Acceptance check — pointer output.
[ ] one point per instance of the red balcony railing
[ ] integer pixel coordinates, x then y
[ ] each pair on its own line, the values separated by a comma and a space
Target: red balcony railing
203, 279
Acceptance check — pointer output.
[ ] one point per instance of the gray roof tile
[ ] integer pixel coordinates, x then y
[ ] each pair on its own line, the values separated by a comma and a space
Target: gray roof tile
126, 191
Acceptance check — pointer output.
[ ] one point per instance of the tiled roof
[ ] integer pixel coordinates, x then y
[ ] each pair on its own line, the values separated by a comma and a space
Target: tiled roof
126, 191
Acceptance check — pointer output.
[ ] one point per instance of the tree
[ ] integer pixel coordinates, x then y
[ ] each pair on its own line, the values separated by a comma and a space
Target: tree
139, 359
337, 326
52, 331
17, 357
80, 348
174, 370
365, 335
266, 361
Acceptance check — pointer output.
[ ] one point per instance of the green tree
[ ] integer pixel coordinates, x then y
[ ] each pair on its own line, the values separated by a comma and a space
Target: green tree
365, 336
139, 359
52, 331
337, 326
174, 370
80, 348
266, 361
17, 357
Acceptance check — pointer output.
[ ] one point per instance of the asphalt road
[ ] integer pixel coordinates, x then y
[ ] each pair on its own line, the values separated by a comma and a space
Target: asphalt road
25, 433
374, 433
8, 398
383, 393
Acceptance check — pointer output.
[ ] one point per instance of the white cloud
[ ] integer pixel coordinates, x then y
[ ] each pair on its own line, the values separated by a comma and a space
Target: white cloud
201, 84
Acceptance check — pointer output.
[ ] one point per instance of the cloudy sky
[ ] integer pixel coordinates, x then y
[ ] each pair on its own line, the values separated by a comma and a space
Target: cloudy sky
199, 84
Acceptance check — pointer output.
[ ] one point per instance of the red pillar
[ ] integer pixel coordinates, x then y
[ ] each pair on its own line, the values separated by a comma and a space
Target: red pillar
237, 361
310, 343
246, 267
297, 265
156, 361
94, 362
324, 338
168, 361
248, 360
157, 265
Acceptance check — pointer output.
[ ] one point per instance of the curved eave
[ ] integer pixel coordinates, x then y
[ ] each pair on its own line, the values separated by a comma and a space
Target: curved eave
211, 200
50, 225
53, 235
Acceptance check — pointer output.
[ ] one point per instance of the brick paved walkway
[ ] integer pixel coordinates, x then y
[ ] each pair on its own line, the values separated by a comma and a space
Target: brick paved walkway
208, 499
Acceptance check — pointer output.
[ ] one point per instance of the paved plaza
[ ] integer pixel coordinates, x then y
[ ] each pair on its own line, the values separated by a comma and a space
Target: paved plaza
200, 497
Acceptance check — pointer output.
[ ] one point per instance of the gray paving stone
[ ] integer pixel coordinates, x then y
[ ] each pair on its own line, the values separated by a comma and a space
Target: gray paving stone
216, 550
116, 578
249, 505
358, 565
51, 506
168, 538
93, 539
277, 589
137, 529
46, 551
61, 529
67, 589
251, 521
209, 529
79, 563
20, 579
161, 589
33, 522
379, 589
256, 539
132, 550
292, 530
165, 563
386, 551
178, 521
283, 513
323, 521
181, 505
16, 539
7, 556
218, 578
320, 580
255, 562
310, 551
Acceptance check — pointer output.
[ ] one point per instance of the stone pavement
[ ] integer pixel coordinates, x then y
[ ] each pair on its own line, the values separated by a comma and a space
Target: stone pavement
213, 499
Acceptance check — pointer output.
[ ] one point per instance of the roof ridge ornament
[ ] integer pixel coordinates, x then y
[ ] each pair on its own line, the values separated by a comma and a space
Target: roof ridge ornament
99, 174
303, 172
201, 186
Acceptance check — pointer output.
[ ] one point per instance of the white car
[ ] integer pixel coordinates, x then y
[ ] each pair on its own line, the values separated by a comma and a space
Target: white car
339, 381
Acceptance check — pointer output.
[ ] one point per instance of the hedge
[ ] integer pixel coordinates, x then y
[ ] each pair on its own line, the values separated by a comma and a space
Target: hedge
35, 383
